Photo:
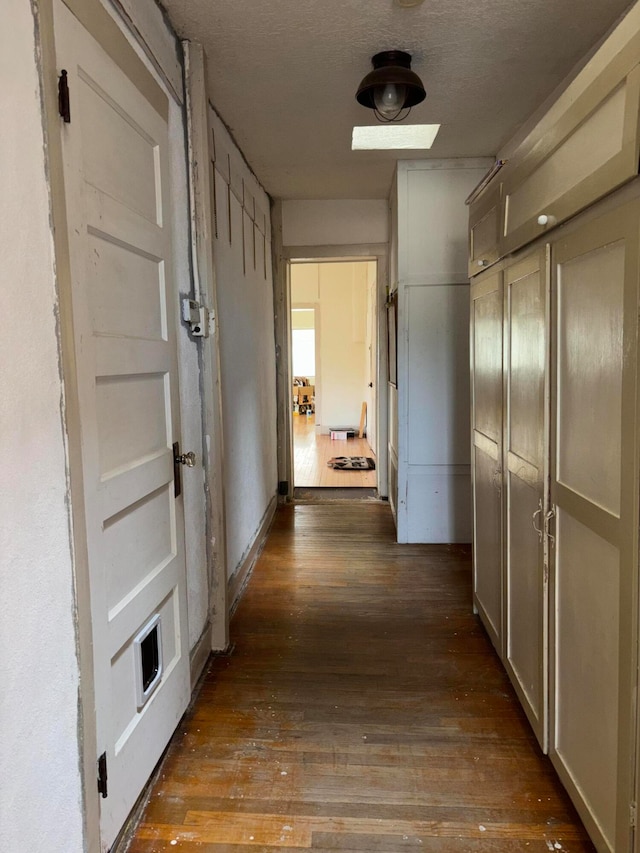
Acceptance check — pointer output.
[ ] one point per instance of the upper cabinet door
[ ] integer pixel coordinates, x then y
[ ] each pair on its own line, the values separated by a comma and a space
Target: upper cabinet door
484, 228
592, 149
486, 461
594, 490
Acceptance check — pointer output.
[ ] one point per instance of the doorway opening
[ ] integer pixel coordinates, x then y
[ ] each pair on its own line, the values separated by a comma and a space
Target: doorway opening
333, 345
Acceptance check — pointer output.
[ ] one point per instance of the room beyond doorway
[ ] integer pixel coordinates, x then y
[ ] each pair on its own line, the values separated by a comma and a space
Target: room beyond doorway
334, 355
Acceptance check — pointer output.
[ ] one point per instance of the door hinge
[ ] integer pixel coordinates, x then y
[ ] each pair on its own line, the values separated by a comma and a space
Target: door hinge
102, 775
64, 105
633, 815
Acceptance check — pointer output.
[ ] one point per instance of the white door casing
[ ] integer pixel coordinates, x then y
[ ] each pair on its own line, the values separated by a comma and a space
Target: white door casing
115, 152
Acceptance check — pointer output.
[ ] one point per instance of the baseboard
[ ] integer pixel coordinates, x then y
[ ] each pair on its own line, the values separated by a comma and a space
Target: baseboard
199, 654
240, 577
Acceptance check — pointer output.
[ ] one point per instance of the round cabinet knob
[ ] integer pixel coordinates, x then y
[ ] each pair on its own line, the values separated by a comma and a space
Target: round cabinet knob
483, 263
546, 219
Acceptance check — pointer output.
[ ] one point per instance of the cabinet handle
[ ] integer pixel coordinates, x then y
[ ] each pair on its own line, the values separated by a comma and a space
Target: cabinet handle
497, 479
538, 512
548, 518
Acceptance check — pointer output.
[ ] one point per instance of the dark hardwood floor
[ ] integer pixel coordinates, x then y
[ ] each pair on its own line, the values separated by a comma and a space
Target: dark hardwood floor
362, 709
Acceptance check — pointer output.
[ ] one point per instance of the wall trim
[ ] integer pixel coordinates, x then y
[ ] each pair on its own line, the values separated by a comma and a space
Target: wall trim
347, 252
239, 579
199, 655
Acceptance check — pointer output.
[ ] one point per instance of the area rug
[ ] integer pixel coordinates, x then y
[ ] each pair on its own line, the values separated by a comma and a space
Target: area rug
352, 463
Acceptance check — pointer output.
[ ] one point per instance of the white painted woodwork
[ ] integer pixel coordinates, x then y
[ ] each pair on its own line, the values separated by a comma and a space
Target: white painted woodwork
484, 228
433, 474
486, 460
525, 449
207, 591
243, 272
371, 356
117, 190
592, 149
594, 488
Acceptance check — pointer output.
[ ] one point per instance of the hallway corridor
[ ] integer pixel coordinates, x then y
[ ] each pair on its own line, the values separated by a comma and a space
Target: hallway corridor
362, 709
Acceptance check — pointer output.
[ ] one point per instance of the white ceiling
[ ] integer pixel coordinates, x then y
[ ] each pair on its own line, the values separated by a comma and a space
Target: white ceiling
283, 76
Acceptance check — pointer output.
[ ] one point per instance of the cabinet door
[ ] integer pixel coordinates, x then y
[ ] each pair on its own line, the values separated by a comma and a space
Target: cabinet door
592, 149
484, 229
524, 465
594, 489
486, 452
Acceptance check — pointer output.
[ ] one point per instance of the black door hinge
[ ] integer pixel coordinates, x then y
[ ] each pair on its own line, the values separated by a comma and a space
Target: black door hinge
102, 775
64, 106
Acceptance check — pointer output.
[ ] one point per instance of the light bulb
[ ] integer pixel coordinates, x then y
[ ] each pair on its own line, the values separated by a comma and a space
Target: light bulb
390, 100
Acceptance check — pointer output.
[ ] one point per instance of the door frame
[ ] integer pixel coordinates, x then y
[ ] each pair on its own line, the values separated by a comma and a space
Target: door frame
104, 29
283, 256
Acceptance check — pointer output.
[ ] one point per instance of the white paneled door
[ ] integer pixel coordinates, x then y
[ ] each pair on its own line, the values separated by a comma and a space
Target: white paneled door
594, 494
486, 459
115, 153
525, 452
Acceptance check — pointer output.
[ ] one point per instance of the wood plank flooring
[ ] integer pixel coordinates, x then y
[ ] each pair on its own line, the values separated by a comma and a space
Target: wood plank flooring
311, 453
362, 709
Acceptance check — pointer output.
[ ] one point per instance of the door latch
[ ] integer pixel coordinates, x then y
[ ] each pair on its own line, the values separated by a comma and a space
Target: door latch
188, 459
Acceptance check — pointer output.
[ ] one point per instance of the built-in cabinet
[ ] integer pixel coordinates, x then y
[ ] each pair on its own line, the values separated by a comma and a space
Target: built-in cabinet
555, 497
554, 253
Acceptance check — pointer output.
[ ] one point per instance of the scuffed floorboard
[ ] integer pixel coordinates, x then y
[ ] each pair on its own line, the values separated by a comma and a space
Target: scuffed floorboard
363, 709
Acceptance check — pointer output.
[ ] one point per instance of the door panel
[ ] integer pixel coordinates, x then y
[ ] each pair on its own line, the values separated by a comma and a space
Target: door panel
486, 396
526, 589
594, 490
115, 154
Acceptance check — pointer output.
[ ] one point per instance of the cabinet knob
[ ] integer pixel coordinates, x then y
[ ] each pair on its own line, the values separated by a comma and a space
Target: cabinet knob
546, 219
483, 263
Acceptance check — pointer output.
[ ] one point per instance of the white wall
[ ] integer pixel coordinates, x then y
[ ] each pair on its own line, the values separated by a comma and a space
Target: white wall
242, 257
340, 291
434, 478
334, 222
40, 786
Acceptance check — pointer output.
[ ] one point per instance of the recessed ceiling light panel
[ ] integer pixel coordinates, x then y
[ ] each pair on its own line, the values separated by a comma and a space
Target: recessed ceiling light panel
390, 137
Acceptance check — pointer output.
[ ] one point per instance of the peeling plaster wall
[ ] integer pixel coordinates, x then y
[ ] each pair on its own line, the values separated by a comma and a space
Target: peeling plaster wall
40, 791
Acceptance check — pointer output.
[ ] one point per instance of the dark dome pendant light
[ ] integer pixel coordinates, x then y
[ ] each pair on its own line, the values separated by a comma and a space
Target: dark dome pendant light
392, 88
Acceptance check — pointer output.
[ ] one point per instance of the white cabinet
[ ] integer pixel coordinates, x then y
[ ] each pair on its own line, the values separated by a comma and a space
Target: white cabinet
486, 450
525, 428
594, 494
591, 149
556, 452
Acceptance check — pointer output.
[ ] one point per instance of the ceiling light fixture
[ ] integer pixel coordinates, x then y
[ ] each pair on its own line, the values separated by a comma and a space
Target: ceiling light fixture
392, 88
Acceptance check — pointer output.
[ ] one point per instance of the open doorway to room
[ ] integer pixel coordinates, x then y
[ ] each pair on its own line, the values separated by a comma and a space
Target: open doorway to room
333, 373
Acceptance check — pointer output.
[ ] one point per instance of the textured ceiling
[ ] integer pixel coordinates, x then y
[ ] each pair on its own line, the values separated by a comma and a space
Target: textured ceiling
283, 76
